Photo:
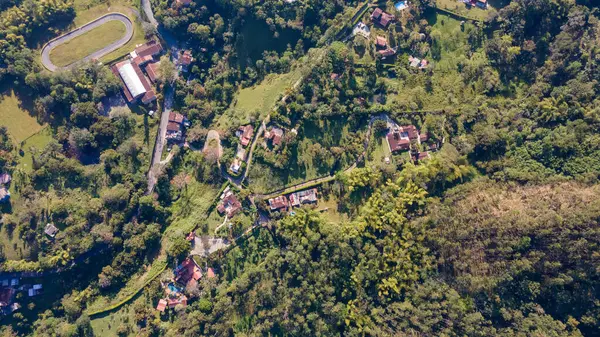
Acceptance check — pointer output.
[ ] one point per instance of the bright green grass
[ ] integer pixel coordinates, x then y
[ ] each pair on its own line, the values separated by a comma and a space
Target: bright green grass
258, 100
448, 89
462, 9
88, 10
190, 209
37, 142
135, 284
18, 121
378, 151
329, 210
108, 325
328, 132
12, 246
83, 45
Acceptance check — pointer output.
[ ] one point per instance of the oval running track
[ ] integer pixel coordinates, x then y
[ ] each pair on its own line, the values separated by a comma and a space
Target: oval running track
82, 30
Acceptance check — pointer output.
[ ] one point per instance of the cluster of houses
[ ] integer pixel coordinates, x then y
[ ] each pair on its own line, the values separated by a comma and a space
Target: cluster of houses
186, 276
5, 179
296, 199
140, 71
229, 204
176, 127
136, 85
383, 19
245, 134
9, 287
407, 138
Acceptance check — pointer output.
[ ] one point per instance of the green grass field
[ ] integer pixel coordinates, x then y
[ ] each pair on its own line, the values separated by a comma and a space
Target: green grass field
462, 9
191, 208
87, 43
329, 210
378, 151
88, 10
20, 124
135, 284
260, 98
449, 89
38, 142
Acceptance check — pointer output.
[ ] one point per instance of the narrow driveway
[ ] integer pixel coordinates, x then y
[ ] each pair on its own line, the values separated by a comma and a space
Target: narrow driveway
147, 7
84, 29
160, 138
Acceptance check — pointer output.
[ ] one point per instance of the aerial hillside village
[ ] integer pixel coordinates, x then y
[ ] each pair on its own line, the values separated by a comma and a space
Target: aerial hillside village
299, 168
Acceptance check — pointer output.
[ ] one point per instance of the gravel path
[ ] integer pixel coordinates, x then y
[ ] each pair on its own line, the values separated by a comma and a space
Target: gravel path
161, 138
84, 29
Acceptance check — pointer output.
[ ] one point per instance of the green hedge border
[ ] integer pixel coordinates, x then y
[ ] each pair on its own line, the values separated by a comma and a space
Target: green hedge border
129, 297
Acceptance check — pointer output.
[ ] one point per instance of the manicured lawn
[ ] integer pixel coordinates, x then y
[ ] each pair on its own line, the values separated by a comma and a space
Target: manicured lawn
378, 151
462, 9
38, 142
85, 44
18, 121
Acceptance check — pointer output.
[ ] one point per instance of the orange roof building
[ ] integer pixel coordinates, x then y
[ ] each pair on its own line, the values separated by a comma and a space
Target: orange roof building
162, 305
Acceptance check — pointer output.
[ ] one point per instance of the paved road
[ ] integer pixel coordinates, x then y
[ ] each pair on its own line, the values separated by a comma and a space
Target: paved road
84, 29
160, 138
147, 7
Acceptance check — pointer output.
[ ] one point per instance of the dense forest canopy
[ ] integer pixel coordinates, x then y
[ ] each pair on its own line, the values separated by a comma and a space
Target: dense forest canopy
494, 232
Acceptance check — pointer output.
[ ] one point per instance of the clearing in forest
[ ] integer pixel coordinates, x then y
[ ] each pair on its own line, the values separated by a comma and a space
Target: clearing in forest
258, 100
20, 124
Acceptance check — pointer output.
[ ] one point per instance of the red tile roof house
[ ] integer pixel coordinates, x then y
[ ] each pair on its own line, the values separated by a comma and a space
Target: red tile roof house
230, 205
278, 203
4, 194
275, 135
399, 137
174, 131
162, 305
176, 117
245, 134
381, 42
210, 273
387, 52
184, 60
152, 48
188, 272
172, 302
382, 18
303, 197
152, 71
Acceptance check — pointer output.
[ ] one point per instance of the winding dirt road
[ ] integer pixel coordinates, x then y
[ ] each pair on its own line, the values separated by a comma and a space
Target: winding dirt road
84, 29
